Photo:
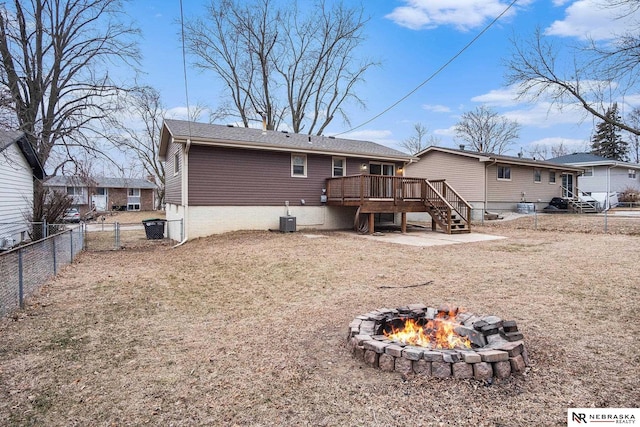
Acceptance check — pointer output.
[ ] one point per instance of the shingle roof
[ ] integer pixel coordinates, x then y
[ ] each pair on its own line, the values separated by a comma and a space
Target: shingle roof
483, 156
76, 181
8, 137
204, 133
588, 159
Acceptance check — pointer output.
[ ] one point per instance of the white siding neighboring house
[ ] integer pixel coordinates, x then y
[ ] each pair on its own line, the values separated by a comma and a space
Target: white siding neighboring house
603, 176
19, 165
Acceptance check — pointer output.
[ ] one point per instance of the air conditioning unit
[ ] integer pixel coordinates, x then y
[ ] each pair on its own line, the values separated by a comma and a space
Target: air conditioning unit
287, 224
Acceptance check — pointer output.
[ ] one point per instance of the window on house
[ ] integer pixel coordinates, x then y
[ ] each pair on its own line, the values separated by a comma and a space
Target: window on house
74, 191
552, 177
339, 166
632, 173
134, 192
588, 172
176, 163
504, 172
537, 175
101, 191
299, 165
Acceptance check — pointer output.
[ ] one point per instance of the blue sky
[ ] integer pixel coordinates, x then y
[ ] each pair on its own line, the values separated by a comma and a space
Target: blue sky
412, 39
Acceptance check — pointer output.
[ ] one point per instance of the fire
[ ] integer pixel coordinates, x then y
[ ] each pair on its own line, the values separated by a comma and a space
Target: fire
437, 333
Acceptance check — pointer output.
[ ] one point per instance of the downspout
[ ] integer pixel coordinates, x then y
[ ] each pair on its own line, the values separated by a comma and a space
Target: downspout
185, 193
486, 186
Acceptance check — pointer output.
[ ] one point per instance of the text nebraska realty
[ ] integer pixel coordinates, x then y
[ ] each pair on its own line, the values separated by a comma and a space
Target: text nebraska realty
603, 418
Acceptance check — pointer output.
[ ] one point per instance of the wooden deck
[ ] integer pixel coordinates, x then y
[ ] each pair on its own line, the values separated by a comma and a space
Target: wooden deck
396, 194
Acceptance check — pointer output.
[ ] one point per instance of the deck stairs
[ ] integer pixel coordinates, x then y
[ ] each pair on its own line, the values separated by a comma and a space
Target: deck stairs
582, 206
447, 209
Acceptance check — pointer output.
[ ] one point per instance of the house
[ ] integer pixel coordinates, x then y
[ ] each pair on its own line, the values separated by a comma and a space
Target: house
491, 182
225, 178
603, 176
19, 166
105, 194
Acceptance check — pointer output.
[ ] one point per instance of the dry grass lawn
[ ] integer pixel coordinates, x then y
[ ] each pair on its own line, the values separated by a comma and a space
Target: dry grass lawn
249, 328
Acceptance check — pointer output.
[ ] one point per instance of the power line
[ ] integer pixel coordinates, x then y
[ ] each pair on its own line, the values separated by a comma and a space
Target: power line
445, 65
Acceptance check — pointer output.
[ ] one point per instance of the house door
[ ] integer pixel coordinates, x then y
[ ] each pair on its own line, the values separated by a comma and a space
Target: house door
567, 185
383, 187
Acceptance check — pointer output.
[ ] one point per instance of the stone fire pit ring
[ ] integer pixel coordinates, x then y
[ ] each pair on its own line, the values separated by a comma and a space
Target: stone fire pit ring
497, 347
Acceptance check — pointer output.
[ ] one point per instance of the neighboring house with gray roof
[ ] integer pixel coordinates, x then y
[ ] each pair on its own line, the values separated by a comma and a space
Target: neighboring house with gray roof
492, 182
106, 194
603, 176
19, 167
225, 178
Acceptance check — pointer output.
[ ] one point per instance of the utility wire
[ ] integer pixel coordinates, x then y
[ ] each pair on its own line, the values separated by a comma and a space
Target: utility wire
184, 68
445, 65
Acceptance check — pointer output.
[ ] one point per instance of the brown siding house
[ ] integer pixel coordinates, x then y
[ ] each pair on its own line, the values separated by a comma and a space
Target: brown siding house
493, 182
232, 178
106, 194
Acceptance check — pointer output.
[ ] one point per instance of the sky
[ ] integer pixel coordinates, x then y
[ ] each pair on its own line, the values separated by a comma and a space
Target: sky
412, 39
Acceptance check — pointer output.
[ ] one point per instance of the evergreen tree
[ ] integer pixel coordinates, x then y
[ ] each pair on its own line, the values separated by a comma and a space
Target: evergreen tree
607, 141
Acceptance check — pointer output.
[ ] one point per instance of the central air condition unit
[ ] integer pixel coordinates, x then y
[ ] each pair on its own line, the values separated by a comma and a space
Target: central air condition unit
287, 224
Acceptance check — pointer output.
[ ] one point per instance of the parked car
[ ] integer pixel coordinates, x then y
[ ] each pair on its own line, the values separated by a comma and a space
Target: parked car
71, 215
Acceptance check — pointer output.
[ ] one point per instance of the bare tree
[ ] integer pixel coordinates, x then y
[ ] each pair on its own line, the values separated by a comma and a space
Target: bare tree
55, 56
280, 63
141, 137
419, 140
595, 74
634, 140
487, 131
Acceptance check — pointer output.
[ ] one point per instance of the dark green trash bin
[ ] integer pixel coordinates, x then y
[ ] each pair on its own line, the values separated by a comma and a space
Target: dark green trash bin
154, 228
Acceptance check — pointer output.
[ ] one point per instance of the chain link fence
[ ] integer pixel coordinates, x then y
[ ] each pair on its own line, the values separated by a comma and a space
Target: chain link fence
102, 236
24, 269
614, 221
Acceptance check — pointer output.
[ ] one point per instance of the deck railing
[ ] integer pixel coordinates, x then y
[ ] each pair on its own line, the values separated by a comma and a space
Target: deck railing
374, 187
455, 200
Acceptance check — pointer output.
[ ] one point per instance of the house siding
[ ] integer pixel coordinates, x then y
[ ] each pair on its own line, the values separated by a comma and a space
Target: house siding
16, 193
618, 180
506, 194
173, 182
464, 174
215, 177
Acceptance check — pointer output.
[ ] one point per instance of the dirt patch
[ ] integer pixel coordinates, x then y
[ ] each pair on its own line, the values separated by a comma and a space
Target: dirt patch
249, 328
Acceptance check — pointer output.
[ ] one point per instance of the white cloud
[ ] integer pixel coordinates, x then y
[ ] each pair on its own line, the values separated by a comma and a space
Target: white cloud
545, 115
436, 108
592, 19
463, 15
498, 97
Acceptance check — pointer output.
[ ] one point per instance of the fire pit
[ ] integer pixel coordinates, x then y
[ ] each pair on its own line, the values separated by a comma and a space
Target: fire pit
443, 342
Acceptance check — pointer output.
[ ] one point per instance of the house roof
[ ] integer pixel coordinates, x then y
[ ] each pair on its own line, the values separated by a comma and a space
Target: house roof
9, 137
76, 181
588, 159
491, 157
180, 131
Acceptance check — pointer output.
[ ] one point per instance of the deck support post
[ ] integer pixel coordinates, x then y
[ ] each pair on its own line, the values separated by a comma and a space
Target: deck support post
403, 226
372, 219
433, 224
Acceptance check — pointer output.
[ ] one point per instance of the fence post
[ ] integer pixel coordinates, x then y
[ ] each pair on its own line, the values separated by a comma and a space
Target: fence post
116, 226
20, 280
53, 246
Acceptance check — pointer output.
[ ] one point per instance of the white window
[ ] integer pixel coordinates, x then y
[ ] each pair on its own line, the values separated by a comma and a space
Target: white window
552, 177
504, 173
588, 172
176, 163
632, 173
299, 165
537, 175
74, 191
339, 166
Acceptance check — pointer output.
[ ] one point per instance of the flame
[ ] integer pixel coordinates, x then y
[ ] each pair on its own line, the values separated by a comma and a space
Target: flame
438, 334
